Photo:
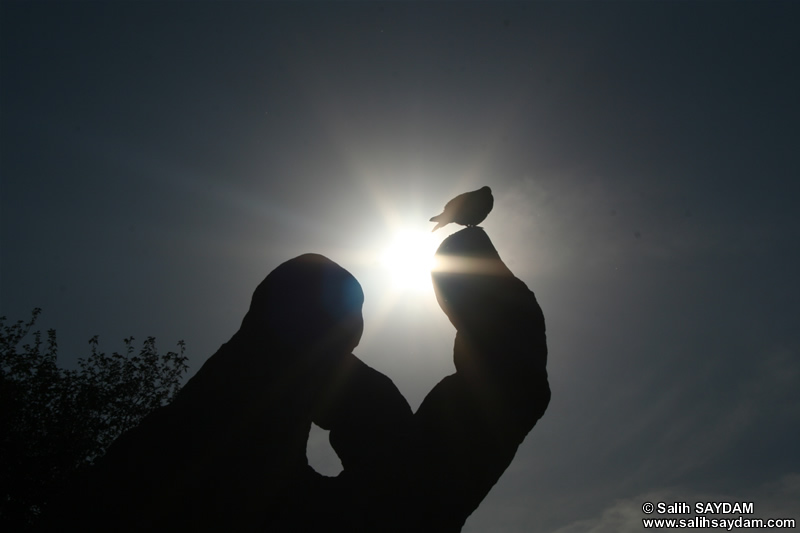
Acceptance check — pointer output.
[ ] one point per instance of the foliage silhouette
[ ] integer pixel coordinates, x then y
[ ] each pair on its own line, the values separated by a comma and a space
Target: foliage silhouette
56, 422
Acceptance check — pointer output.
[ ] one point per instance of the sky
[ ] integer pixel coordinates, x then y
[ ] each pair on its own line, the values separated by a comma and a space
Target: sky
159, 159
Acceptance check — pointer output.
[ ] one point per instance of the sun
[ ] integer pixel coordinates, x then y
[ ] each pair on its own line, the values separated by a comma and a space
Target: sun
409, 258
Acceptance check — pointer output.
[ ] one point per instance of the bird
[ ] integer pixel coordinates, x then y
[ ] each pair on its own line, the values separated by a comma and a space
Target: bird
468, 209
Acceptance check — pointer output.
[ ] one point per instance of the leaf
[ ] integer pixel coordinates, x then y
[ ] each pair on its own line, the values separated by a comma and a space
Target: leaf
55, 422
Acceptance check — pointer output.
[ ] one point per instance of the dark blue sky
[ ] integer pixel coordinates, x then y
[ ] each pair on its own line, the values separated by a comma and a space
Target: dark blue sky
157, 160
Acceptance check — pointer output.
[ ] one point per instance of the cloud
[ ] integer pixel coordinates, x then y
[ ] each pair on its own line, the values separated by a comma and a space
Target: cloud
776, 499
320, 454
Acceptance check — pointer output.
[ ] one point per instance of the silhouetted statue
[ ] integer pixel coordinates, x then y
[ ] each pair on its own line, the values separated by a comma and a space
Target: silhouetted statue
470, 425
229, 453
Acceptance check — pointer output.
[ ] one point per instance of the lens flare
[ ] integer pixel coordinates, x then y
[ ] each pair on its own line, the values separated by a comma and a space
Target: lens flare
409, 260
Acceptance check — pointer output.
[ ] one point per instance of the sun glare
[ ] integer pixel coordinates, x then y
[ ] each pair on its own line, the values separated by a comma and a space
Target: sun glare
409, 259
